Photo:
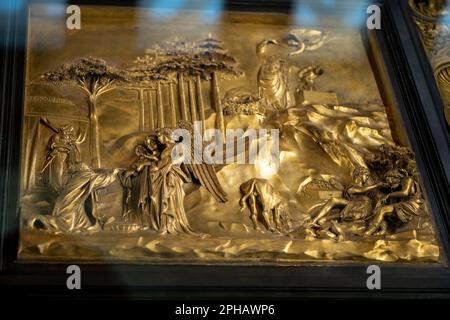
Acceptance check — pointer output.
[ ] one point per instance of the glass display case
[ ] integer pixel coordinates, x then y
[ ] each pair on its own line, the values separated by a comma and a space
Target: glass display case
284, 140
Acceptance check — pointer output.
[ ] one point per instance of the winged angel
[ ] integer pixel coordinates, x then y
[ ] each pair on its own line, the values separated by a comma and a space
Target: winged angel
162, 202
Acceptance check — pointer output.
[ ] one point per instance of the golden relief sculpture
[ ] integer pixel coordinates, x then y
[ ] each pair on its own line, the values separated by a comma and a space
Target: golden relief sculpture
109, 176
431, 18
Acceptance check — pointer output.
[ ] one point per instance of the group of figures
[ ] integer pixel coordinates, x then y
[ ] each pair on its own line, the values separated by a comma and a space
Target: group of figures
383, 196
384, 193
272, 79
153, 186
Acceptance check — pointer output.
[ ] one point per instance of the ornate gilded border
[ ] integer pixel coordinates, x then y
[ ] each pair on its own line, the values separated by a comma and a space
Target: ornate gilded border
432, 19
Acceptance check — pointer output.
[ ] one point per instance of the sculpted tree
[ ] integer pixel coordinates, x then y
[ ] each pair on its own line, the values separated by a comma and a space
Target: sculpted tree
180, 59
94, 78
176, 62
143, 76
194, 62
188, 63
217, 62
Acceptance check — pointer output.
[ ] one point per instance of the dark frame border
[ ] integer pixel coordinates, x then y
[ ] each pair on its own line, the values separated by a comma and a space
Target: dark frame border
429, 139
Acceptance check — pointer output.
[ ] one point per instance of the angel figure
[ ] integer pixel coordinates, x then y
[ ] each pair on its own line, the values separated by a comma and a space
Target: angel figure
168, 180
306, 40
61, 151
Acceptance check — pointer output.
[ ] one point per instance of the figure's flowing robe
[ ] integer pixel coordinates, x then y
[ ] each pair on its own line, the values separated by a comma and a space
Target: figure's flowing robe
61, 152
145, 205
168, 197
139, 205
69, 214
272, 85
407, 208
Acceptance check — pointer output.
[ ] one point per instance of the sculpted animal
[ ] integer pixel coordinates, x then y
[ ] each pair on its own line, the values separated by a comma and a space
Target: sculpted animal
265, 204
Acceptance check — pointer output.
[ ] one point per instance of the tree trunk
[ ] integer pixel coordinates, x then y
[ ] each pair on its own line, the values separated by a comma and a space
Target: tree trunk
201, 106
192, 102
94, 144
184, 113
215, 99
151, 122
159, 102
141, 109
173, 112
31, 144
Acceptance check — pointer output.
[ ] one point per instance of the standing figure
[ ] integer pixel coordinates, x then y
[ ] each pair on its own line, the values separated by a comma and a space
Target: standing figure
168, 193
273, 83
168, 180
61, 151
138, 183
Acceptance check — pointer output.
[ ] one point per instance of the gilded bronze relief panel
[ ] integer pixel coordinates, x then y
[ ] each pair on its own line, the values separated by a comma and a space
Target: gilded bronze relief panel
244, 138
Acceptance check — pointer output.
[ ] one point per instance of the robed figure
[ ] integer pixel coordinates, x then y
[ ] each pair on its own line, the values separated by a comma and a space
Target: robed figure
180, 164
62, 150
138, 185
69, 213
161, 193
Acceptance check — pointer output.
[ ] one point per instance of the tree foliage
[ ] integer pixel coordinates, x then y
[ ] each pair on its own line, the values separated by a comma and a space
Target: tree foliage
92, 75
191, 59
